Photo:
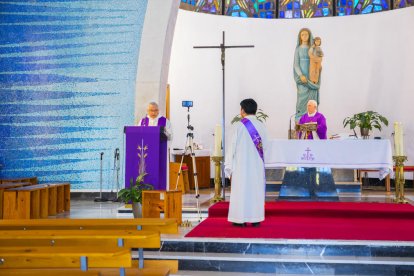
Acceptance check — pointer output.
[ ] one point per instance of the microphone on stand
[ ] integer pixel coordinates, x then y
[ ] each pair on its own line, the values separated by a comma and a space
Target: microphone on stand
116, 156
290, 125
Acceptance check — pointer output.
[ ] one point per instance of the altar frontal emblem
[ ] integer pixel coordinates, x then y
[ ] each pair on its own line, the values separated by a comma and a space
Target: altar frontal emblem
307, 155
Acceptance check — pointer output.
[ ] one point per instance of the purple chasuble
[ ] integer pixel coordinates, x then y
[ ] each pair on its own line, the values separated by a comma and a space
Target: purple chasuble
254, 134
161, 121
321, 124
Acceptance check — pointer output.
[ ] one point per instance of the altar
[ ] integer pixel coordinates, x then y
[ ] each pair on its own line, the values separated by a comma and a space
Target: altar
341, 154
308, 163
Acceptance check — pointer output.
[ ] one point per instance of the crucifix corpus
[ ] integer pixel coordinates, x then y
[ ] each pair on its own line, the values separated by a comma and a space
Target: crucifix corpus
223, 48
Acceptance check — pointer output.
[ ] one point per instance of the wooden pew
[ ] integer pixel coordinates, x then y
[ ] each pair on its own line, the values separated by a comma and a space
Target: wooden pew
48, 272
169, 226
26, 202
164, 226
6, 186
32, 180
153, 271
59, 198
80, 238
85, 233
64, 257
35, 201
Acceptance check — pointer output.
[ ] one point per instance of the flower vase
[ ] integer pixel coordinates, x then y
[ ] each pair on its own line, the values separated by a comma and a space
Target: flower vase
137, 209
365, 133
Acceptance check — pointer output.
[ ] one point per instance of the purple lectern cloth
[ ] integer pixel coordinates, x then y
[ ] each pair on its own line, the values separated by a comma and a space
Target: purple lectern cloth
161, 121
156, 155
320, 120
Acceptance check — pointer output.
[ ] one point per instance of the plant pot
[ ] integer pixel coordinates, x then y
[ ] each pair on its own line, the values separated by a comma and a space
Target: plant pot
365, 133
137, 209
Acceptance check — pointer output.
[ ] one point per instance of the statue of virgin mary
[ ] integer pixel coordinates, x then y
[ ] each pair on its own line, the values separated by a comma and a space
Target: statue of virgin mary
306, 90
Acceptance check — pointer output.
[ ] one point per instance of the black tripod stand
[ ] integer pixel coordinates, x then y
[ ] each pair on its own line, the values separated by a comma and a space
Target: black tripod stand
189, 148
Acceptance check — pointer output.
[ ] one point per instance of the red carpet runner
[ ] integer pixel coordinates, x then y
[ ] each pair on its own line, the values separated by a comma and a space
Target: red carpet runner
316, 220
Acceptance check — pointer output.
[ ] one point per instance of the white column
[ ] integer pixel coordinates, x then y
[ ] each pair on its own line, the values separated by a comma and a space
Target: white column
154, 54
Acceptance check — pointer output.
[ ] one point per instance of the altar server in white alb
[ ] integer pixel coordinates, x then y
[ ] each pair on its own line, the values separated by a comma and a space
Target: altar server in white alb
245, 166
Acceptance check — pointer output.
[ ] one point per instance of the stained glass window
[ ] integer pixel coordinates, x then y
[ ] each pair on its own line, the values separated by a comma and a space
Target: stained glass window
206, 6
292, 8
403, 3
251, 8
348, 7
305, 8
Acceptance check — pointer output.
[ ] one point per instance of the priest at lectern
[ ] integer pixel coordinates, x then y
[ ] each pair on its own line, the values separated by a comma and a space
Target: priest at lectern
154, 119
313, 117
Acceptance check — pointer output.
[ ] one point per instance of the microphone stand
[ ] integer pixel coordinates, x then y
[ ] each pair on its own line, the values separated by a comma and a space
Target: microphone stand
100, 198
116, 169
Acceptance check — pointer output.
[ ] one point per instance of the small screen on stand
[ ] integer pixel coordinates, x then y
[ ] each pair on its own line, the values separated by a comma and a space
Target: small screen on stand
187, 103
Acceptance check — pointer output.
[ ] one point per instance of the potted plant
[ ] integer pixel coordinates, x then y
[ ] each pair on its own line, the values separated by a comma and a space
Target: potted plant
260, 115
365, 121
133, 194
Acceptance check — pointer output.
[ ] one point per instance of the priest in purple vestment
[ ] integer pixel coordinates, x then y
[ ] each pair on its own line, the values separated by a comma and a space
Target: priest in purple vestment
153, 118
313, 116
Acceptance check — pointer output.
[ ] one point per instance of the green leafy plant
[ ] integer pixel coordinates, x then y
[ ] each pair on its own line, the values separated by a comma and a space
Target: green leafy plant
260, 115
134, 192
367, 120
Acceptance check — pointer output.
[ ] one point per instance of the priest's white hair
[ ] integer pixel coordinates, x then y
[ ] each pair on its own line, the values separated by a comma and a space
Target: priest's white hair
153, 104
313, 102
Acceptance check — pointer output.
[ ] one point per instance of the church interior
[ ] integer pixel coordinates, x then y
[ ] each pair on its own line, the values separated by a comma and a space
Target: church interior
120, 137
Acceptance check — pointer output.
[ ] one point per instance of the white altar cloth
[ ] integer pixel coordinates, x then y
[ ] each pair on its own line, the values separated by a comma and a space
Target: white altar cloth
347, 154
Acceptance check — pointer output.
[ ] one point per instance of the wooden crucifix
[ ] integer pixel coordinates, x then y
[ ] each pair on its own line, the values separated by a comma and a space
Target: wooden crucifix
223, 48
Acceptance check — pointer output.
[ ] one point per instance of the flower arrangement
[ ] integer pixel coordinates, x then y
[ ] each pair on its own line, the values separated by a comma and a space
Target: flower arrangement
366, 120
134, 192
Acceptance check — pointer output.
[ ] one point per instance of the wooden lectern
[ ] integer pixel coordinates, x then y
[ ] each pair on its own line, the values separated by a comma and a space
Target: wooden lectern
303, 130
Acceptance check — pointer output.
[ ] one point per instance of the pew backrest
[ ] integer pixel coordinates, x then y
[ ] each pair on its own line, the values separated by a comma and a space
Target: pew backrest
80, 238
164, 226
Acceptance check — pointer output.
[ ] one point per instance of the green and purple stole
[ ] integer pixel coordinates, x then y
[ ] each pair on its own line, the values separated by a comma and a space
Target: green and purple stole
254, 134
161, 121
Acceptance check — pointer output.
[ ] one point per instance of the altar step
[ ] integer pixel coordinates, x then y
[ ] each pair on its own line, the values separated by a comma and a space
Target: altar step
289, 256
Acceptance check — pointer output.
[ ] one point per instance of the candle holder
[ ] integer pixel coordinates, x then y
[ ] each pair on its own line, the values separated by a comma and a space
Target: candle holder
217, 179
399, 178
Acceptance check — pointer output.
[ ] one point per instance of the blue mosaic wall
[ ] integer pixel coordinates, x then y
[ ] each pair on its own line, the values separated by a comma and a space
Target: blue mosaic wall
67, 85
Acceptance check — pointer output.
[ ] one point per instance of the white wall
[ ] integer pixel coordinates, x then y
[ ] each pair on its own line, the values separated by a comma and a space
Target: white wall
368, 65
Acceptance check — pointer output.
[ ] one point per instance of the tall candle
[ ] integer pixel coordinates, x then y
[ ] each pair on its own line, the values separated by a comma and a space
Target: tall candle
217, 140
396, 139
401, 140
